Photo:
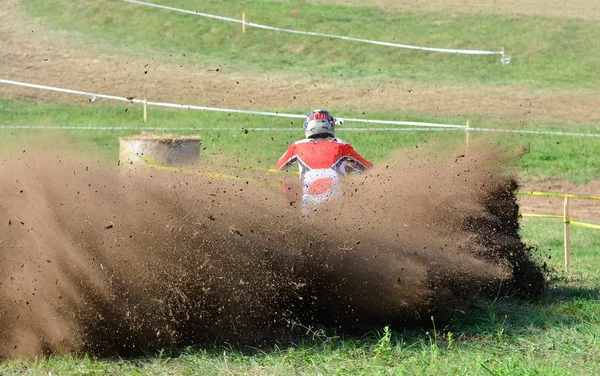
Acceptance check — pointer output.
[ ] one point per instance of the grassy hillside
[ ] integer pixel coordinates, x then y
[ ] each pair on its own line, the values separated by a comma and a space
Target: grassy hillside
547, 53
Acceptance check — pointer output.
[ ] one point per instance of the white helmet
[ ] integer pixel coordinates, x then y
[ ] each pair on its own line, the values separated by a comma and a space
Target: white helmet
319, 122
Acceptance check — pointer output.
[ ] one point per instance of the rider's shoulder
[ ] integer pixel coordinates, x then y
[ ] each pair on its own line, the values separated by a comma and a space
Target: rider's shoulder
339, 140
319, 140
314, 140
303, 141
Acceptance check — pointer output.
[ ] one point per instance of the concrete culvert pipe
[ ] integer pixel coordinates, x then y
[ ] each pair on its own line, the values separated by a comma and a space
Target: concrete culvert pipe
159, 150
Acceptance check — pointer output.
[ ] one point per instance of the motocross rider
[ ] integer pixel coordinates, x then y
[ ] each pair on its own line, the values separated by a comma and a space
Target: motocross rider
323, 160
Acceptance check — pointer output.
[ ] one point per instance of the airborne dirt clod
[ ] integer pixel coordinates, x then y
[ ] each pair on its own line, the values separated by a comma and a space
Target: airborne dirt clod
109, 261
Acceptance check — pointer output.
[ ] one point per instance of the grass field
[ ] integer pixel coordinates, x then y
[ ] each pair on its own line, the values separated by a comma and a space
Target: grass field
559, 334
548, 53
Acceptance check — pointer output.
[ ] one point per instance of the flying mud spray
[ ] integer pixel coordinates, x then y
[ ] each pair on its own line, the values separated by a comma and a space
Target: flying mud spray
95, 260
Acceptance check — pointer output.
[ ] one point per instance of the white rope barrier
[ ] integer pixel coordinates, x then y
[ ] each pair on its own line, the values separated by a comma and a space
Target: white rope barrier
217, 109
422, 126
220, 129
267, 129
526, 131
265, 27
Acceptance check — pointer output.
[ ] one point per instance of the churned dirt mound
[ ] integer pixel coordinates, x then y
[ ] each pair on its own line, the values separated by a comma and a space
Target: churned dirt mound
115, 260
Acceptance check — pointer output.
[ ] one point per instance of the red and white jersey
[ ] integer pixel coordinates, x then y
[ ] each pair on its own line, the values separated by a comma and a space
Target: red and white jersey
322, 161
321, 153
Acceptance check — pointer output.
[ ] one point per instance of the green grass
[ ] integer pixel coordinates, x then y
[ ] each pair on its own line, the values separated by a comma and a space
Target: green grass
568, 158
585, 248
547, 53
559, 334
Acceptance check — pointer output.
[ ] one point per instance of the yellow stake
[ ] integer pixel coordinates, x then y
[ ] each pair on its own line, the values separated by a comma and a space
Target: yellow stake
145, 111
467, 136
567, 246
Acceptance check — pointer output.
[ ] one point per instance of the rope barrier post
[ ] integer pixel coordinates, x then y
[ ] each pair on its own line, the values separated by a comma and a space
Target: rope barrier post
243, 22
145, 111
567, 245
503, 59
467, 136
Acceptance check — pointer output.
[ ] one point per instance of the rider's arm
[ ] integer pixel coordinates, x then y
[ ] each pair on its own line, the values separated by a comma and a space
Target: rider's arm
356, 158
288, 158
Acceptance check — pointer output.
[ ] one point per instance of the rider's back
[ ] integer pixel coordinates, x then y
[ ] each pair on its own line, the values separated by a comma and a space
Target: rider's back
322, 158
321, 153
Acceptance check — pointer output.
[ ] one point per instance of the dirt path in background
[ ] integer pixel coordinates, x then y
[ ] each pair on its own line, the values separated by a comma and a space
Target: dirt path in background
583, 9
580, 210
30, 53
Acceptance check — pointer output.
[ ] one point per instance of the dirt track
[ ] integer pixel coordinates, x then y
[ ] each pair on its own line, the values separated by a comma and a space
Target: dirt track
101, 261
